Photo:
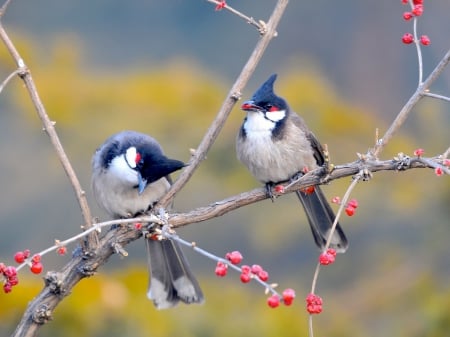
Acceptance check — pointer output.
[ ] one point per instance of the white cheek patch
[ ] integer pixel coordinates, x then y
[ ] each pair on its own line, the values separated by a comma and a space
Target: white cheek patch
130, 156
256, 123
120, 169
276, 116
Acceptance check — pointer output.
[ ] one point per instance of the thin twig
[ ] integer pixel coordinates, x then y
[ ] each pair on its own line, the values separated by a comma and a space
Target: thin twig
444, 98
6, 81
25, 74
261, 28
404, 112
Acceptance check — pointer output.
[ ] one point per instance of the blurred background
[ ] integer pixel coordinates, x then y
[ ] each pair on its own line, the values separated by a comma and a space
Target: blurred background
164, 68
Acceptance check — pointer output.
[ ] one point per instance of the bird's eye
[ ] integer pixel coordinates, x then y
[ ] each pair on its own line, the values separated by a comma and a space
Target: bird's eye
271, 108
132, 157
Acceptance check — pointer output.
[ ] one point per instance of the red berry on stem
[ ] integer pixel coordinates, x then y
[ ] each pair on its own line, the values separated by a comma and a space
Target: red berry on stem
326, 258
350, 210
263, 275
313, 304
2, 267
407, 16
19, 257
279, 189
417, 2
418, 152
62, 250
353, 203
36, 258
273, 301
404, 2
13, 280
245, 269
221, 269
7, 287
336, 200
10, 271
425, 40
256, 269
446, 162
234, 257
246, 277
26, 252
417, 10
36, 267
439, 171
288, 296
408, 38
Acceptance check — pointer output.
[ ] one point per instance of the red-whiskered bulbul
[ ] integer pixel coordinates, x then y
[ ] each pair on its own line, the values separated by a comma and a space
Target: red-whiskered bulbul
130, 173
275, 144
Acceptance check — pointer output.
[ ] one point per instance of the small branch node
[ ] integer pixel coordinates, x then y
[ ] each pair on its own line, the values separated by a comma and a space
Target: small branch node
236, 95
403, 161
53, 281
118, 249
42, 315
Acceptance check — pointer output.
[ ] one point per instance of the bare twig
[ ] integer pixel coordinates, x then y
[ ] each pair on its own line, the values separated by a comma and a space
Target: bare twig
25, 74
261, 28
444, 98
404, 112
228, 104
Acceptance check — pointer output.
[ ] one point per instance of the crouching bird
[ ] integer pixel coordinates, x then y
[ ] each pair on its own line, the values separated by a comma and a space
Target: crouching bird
130, 173
275, 145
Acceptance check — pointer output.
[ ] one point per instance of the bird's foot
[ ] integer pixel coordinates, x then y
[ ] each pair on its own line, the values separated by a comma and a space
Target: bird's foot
269, 193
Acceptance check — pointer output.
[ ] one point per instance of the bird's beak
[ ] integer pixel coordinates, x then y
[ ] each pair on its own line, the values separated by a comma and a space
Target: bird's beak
142, 183
249, 106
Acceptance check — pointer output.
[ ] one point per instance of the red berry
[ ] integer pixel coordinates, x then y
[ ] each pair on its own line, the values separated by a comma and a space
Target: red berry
138, 226
332, 251
256, 269
273, 301
246, 277
2, 267
245, 269
279, 189
263, 275
336, 200
418, 152
326, 258
417, 10
36, 267
19, 257
446, 162
408, 38
353, 203
221, 4
407, 16
26, 252
288, 296
425, 40
13, 280
221, 269
10, 272
417, 2
350, 210
36, 258
313, 304
62, 250
404, 2
7, 287
234, 257
439, 171
308, 190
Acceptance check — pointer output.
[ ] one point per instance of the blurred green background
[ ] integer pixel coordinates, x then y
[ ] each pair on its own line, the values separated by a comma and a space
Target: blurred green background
164, 68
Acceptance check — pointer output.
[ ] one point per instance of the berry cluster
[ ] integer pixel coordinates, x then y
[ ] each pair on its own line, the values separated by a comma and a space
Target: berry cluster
10, 275
314, 304
327, 257
251, 272
351, 206
416, 11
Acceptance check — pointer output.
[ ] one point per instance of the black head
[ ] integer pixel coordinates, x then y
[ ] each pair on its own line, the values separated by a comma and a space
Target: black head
137, 159
265, 100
